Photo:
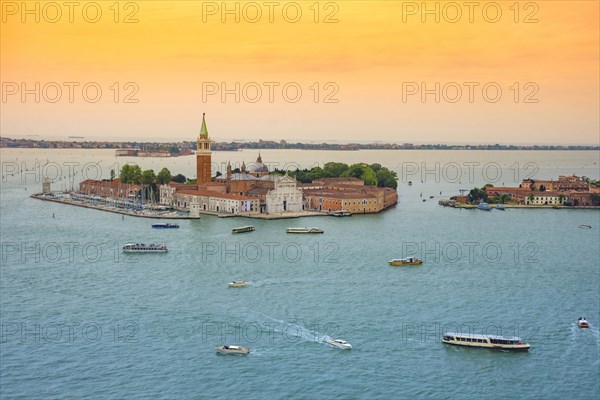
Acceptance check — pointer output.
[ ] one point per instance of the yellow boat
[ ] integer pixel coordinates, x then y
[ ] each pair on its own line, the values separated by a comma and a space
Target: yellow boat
232, 350
406, 261
238, 284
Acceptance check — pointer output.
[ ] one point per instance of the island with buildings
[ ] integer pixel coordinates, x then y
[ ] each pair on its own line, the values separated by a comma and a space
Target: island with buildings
567, 191
251, 191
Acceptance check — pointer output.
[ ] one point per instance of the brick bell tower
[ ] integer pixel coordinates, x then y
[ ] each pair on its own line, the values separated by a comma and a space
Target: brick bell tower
203, 156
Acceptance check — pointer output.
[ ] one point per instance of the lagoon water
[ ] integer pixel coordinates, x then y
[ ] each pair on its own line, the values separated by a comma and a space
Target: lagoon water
82, 320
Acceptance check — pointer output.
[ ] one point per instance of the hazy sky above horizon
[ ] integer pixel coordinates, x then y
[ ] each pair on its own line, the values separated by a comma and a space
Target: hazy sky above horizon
403, 71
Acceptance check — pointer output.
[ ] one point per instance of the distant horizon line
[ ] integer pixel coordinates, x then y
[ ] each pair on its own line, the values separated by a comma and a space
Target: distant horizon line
82, 138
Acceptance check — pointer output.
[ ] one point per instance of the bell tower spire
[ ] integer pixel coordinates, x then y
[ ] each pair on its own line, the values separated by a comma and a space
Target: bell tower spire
203, 155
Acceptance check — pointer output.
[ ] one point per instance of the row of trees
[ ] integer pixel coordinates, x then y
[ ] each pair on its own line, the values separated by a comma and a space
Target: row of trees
372, 175
134, 174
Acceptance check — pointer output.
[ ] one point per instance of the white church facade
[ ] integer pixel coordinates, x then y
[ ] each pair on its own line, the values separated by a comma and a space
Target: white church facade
285, 197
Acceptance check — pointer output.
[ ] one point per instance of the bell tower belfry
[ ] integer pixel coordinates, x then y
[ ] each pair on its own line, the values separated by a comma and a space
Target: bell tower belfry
203, 155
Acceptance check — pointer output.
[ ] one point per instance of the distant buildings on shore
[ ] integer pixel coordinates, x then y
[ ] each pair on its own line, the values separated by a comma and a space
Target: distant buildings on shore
152, 149
151, 153
568, 190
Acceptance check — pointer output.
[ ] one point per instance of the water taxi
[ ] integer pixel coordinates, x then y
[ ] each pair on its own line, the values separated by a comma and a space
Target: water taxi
168, 225
304, 230
232, 350
582, 323
484, 206
341, 213
242, 229
485, 341
339, 343
406, 261
237, 284
144, 248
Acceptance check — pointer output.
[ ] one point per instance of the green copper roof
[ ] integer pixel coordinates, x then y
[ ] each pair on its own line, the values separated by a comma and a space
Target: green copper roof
203, 130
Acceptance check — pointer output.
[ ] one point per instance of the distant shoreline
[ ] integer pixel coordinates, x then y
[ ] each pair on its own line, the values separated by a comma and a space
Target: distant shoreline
271, 145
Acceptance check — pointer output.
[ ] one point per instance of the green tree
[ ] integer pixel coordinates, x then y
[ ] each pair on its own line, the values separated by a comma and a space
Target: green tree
179, 178
125, 173
335, 169
148, 177
375, 167
530, 197
317, 173
163, 177
476, 195
135, 174
362, 171
370, 177
112, 175
387, 178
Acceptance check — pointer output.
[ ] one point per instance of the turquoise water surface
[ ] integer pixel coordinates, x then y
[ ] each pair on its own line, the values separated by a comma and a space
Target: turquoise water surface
82, 320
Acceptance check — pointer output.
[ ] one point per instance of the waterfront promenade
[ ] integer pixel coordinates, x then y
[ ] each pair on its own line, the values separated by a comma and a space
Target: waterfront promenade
144, 213
117, 210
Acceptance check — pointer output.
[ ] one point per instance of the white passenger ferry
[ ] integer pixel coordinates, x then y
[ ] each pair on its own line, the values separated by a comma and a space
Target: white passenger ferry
485, 341
304, 230
144, 248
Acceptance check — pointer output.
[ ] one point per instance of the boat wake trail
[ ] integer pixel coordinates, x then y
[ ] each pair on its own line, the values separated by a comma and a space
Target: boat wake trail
576, 333
293, 332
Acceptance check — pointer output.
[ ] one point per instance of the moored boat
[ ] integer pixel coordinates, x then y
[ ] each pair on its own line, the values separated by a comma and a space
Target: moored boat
304, 230
144, 248
167, 225
237, 284
494, 342
339, 343
232, 350
582, 323
242, 229
406, 261
500, 207
484, 206
341, 213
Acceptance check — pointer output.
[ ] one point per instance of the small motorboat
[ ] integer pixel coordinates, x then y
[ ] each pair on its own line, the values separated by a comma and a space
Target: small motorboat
406, 261
500, 207
237, 284
582, 323
232, 350
339, 343
583, 226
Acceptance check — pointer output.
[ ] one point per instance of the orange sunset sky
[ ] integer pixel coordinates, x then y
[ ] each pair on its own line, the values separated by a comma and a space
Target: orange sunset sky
368, 61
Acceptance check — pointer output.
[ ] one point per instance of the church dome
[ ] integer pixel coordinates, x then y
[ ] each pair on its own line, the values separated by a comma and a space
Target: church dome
258, 166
